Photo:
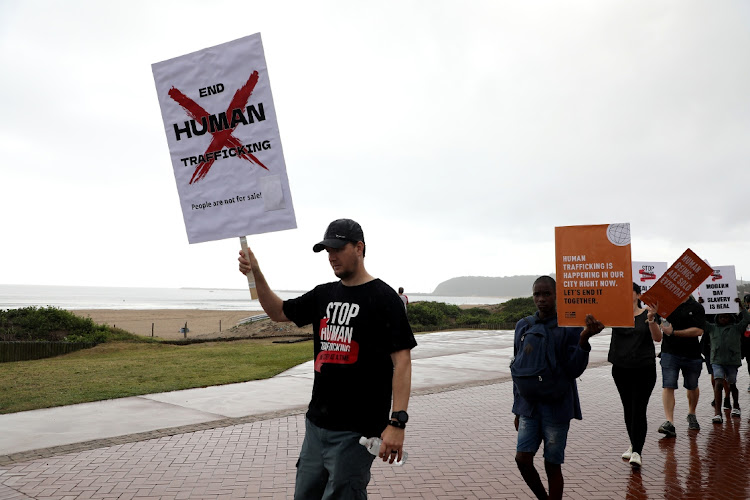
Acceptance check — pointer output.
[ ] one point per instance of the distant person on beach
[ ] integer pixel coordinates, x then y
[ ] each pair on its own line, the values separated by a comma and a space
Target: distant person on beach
633, 358
547, 419
362, 345
681, 352
726, 356
404, 298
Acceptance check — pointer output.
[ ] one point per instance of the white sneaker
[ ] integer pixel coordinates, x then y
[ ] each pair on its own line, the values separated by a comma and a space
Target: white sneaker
718, 419
736, 412
628, 454
635, 460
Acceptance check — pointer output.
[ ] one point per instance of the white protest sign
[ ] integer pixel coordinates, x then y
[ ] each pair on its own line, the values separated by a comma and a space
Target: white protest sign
646, 274
224, 141
719, 291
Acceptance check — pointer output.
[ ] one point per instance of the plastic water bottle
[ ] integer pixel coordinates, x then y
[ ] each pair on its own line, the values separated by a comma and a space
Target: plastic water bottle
373, 446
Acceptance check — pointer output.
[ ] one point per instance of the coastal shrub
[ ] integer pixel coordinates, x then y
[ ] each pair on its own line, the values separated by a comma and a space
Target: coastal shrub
473, 320
54, 325
450, 310
426, 314
440, 316
516, 309
432, 313
477, 311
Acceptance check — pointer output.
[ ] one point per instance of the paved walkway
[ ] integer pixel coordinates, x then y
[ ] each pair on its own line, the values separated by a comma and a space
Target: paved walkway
242, 441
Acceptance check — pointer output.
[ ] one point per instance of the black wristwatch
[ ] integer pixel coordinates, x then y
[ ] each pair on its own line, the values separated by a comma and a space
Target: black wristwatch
399, 419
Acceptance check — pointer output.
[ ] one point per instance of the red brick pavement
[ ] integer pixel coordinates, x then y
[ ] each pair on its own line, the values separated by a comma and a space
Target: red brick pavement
461, 445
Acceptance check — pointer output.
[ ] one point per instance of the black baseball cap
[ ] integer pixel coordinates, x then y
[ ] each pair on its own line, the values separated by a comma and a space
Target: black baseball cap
339, 233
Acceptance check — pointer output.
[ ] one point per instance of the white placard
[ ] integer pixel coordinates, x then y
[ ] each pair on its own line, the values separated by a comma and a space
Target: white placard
646, 274
719, 291
224, 141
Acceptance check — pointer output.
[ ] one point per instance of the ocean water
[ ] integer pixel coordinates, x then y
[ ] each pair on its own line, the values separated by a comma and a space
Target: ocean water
85, 297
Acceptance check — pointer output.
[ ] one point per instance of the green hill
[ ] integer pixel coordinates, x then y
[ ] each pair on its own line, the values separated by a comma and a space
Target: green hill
486, 286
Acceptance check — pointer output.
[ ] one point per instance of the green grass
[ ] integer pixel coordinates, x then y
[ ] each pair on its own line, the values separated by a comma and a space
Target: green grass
127, 365
120, 369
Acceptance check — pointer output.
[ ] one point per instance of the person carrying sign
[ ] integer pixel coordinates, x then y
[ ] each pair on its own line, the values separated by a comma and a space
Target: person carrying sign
726, 352
680, 351
633, 358
362, 345
543, 413
705, 344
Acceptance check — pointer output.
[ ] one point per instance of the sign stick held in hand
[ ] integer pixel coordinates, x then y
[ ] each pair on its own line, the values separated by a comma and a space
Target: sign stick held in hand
250, 277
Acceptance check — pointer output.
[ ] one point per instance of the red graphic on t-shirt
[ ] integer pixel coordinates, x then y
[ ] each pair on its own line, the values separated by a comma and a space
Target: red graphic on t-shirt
338, 353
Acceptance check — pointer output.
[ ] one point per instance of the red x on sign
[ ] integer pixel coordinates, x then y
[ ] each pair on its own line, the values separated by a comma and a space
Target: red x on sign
221, 138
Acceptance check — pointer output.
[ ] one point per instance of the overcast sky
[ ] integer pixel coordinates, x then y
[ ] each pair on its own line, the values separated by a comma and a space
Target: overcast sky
459, 134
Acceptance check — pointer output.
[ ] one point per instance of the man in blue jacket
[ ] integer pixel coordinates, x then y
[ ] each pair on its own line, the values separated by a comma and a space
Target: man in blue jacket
549, 421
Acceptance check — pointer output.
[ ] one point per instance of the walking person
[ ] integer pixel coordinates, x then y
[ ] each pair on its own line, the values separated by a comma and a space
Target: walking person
633, 358
726, 340
705, 344
546, 418
362, 344
680, 352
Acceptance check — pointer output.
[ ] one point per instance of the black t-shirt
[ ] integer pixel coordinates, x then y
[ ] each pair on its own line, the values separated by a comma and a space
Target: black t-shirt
356, 328
632, 347
689, 314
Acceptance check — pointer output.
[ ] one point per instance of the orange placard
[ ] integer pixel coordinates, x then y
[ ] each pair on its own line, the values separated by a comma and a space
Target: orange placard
685, 275
594, 274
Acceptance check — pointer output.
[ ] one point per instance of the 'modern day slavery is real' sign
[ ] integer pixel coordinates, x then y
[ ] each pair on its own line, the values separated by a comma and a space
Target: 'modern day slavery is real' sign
594, 274
224, 141
719, 291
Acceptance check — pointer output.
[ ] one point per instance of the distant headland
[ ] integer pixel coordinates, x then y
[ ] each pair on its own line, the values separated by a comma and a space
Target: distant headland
487, 286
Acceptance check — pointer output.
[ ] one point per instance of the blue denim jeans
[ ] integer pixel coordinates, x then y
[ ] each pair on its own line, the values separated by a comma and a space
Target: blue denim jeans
533, 430
728, 373
670, 370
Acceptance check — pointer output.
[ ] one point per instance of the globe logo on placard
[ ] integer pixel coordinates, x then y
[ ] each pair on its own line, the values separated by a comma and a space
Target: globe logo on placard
619, 234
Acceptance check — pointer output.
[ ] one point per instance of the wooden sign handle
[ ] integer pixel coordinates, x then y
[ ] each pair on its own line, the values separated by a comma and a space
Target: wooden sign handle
250, 277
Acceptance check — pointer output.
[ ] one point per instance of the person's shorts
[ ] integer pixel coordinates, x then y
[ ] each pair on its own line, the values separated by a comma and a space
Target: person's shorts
532, 431
709, 366
728, 373
671, 366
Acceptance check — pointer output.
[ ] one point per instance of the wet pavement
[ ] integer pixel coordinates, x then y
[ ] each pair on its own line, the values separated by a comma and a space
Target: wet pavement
460, 439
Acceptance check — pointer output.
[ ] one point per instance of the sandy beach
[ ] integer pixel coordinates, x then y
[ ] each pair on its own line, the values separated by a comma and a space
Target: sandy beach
201, 323
167, 322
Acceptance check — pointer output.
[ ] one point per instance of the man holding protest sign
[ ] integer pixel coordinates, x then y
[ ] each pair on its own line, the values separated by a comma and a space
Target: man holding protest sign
680, 351
543, 414
671, 298
362, 348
